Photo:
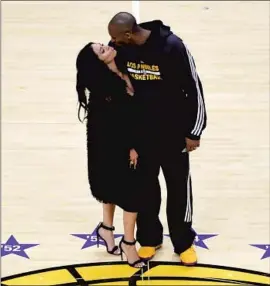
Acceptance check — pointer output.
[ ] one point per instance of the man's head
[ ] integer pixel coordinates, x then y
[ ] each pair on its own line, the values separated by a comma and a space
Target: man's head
122, 28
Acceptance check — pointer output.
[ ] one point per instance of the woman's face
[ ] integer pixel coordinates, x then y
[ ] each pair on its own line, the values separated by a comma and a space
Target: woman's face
104, 53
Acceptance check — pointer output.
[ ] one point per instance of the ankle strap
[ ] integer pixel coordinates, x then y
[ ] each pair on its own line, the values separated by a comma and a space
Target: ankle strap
106, 227
129, 242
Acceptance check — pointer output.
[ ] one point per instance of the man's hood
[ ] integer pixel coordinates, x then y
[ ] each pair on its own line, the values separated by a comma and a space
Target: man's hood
158, 28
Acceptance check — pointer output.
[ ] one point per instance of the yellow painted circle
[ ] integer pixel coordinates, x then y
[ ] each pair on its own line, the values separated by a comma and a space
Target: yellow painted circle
157, 273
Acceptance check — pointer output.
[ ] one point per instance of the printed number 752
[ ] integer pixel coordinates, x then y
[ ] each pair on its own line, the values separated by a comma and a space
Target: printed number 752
9, 248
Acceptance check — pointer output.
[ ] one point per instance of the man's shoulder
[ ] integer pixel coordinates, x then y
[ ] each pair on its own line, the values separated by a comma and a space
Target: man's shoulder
173, 41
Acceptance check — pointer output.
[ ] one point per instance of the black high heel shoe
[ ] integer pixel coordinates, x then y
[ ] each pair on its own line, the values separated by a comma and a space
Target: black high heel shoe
122, 251
115, 248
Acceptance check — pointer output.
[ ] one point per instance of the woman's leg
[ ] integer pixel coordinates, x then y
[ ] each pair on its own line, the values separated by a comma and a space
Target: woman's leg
129, 225
129, 228
108, 215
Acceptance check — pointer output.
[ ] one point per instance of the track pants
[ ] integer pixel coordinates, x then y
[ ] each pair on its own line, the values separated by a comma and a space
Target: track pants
175, 167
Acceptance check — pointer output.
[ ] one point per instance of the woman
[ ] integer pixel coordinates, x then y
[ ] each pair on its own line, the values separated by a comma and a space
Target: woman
111, 141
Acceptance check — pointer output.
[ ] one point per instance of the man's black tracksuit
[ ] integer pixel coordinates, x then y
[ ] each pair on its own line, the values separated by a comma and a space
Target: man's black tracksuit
170, 103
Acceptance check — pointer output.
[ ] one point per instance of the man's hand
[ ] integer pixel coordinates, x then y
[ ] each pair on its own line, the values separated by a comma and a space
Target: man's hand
192, 145
133, 158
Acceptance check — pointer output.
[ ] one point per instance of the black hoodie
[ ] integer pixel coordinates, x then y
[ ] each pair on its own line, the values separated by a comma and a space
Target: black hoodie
163, 74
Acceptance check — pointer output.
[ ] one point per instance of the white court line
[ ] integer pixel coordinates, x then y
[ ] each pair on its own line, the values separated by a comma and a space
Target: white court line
136, 9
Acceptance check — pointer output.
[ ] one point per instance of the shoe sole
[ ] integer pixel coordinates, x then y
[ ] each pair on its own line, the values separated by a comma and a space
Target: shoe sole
189, 264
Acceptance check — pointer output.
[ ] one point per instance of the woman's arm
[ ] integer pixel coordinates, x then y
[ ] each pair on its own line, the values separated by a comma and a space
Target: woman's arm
112, 66
134, 123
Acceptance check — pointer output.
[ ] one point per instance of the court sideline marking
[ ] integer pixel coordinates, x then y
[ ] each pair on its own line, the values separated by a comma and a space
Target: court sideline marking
136, 9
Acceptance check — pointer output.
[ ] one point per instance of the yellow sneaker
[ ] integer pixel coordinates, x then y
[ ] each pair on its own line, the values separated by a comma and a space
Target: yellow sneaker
148, 252
189, 257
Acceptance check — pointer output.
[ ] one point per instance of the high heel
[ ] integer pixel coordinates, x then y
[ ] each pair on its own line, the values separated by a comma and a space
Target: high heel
122, 251
115, 248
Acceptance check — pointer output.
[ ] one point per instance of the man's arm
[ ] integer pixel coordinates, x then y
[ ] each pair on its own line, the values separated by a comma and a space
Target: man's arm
185, 69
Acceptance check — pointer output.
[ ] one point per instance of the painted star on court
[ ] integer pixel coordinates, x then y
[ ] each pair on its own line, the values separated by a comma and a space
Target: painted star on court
265, 247
200, 238
12, 246
91, 239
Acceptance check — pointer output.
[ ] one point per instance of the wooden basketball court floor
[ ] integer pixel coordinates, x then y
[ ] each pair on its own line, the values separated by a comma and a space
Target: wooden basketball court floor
44, 188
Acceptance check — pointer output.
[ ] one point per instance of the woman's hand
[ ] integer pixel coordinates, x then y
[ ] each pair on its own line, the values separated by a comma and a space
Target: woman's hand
129, 88
133, 158
129, 91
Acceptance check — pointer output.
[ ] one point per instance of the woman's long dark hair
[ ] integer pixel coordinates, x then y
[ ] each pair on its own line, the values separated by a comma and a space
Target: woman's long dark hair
89, 68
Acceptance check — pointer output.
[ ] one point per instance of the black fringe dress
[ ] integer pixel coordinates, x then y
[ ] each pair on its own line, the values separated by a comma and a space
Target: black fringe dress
111, 133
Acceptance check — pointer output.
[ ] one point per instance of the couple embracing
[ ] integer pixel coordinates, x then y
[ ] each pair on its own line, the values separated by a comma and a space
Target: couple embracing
145, 111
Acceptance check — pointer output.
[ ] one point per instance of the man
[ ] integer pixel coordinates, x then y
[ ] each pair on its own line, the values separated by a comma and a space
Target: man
172, 114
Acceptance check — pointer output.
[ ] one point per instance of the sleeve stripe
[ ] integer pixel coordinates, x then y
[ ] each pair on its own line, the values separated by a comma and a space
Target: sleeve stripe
201, 112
